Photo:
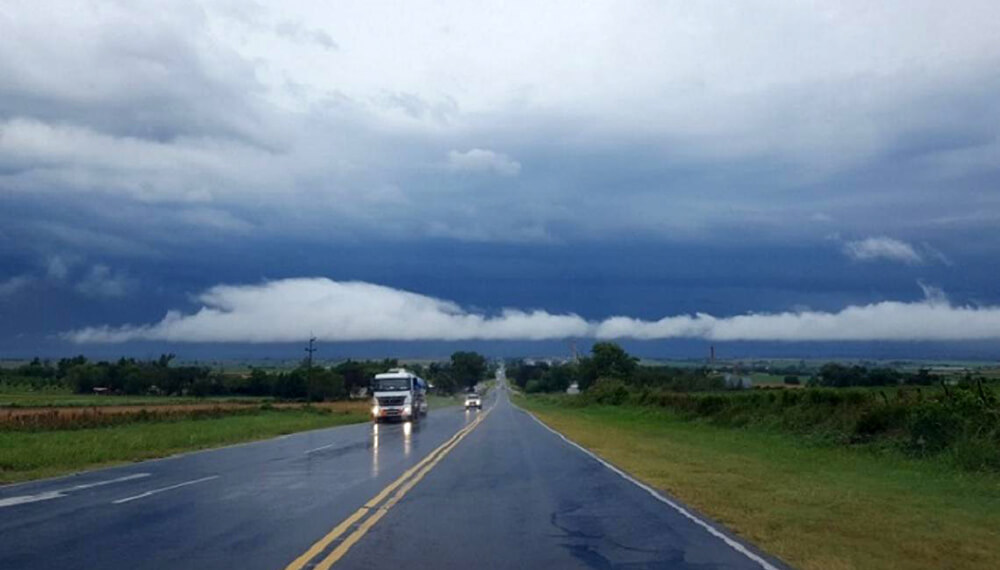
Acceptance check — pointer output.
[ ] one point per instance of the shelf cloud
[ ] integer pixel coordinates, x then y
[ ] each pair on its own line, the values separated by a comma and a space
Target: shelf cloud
287, 310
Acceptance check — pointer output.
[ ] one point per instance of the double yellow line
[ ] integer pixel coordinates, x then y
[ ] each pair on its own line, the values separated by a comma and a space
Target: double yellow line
377, 507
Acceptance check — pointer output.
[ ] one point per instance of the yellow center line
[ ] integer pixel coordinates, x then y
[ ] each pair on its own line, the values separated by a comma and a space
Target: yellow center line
429, 462
364, 527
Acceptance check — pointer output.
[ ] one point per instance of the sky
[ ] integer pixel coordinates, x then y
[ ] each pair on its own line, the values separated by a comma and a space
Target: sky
223, 177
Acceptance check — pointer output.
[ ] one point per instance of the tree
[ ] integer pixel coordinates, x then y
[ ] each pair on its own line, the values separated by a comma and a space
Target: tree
607, 360
65, 364
84, 377
468, 368
293, 385
558, 378
355, 374
259, 383
165, 359
442, 377
324, 384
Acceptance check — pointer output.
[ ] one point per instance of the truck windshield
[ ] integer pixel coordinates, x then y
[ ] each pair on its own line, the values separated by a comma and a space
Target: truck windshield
387, 384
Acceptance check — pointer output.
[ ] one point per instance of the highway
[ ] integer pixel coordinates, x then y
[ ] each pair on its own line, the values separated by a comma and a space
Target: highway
460, 489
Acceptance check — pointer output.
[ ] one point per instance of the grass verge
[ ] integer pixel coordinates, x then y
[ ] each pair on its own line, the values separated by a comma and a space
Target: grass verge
436, 401
813, 506
38, 454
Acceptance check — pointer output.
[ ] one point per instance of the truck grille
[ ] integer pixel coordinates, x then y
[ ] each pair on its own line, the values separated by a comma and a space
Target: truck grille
392, 401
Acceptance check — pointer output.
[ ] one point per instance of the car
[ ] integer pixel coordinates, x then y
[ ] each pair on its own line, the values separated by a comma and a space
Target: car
473, 401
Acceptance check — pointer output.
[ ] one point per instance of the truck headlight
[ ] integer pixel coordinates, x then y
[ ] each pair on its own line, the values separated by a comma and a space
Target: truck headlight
375, 410
407, 410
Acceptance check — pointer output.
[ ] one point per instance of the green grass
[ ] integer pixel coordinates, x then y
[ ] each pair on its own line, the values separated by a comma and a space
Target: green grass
764, 378
33, 455
812, 505
45, 398
435, 401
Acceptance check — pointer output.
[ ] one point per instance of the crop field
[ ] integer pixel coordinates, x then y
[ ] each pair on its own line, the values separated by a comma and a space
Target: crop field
55, 442
78, 417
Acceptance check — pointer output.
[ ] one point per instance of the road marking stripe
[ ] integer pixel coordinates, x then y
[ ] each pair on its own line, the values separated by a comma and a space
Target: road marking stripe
108, 482
656, 495
22, 499
320, 448
162, 489
365, 526
322, 543
369, 507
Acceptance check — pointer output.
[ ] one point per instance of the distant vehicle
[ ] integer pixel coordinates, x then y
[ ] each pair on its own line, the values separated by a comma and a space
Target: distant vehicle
473, 401
398, 395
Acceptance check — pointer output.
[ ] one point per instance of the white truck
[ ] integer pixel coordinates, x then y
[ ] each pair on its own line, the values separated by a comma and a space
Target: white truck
398, 395
473, 400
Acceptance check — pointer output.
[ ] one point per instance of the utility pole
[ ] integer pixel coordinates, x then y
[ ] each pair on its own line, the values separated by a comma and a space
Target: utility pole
310, 350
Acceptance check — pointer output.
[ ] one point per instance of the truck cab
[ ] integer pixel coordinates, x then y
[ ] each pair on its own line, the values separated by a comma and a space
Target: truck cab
398, 395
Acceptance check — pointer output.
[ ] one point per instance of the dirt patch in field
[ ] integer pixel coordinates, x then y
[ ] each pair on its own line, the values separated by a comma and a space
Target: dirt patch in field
73, 417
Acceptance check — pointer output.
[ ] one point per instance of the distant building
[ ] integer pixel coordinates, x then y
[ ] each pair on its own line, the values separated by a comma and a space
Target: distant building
574, 388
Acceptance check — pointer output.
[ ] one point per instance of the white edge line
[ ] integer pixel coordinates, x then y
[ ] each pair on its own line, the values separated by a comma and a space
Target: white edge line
656, 495
155, 491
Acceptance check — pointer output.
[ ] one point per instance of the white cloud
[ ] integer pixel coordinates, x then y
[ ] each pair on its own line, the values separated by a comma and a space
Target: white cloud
288, 310
483, 160
882, 248
933, 319
14, 285
101, 281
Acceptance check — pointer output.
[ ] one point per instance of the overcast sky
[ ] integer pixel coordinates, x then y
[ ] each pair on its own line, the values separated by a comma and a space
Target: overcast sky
230, 172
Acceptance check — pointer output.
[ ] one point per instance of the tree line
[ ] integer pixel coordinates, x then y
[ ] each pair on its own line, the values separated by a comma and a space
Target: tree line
609, 362
836, 375
161, 377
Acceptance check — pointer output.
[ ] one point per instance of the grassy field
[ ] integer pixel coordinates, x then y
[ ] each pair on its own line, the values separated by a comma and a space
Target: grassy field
814, 506
44, 453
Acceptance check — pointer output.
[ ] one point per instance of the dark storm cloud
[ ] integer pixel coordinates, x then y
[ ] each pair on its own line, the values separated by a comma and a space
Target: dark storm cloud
125, 70
193, 134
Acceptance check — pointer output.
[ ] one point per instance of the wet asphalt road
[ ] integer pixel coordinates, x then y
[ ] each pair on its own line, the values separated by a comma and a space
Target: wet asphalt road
511, 494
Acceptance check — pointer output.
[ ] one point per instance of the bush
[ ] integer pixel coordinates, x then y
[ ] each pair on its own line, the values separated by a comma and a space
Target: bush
879, 420
608, 391
534, 386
